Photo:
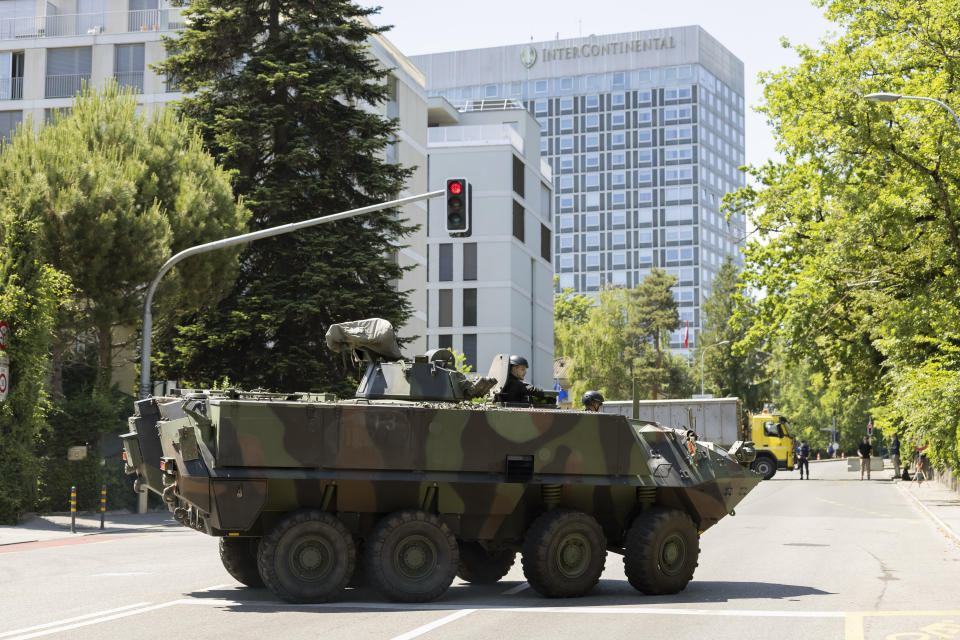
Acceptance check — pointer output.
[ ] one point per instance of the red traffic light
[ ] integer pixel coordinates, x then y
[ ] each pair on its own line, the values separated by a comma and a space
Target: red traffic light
456, 188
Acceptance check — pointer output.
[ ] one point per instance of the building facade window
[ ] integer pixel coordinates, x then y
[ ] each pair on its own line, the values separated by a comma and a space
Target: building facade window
470, 350
445, 308
545, 242
470, 261
518, 221
518, 177
469, 307
445, 262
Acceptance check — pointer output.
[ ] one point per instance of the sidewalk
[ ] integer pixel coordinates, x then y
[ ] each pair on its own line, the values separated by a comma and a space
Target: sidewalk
939, 503
53, 526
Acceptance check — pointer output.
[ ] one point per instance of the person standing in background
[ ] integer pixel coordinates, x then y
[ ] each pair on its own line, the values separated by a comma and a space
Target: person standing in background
864, 451
894, 450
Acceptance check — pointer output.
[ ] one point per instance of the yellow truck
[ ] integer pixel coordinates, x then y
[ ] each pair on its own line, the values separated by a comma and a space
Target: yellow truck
723, 421
774, 444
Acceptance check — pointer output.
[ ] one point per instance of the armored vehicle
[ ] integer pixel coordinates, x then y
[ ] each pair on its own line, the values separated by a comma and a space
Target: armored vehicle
424, 475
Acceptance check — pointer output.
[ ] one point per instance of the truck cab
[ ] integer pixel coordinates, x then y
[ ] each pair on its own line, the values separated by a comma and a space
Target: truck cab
774, 444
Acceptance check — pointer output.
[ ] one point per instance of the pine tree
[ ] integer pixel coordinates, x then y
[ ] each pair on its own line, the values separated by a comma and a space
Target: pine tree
728, 370
282, 93
652, 312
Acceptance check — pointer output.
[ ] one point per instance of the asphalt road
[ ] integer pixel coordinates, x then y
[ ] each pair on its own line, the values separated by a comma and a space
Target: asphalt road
832, 557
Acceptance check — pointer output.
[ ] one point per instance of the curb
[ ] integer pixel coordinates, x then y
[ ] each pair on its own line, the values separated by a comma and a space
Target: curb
943, 526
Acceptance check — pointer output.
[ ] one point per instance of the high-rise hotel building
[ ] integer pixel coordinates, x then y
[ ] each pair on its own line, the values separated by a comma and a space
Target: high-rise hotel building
644, 133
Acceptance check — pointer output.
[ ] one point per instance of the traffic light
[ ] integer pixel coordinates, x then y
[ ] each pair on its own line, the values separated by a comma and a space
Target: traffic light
458, 207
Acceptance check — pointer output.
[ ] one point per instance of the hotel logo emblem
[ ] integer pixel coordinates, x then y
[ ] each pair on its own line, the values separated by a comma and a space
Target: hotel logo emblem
528, 56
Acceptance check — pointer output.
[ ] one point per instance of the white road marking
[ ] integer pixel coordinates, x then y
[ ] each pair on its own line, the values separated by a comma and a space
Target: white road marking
419, 631
115, 575
86, 623
517, 589
69, 620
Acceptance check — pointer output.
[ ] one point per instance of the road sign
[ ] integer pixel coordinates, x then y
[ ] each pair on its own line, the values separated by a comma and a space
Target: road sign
4, 331
4, 376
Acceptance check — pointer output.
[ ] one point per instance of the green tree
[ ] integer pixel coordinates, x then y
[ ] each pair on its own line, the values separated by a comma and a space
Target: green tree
30, 293
595, 346
116, 194
606, 352
859, 228
282, 93
652, 315
728, 371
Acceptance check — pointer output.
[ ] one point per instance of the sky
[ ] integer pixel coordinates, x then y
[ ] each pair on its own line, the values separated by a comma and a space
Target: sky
751, 29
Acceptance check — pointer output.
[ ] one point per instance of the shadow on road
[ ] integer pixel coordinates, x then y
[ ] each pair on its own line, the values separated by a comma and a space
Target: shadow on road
466, 596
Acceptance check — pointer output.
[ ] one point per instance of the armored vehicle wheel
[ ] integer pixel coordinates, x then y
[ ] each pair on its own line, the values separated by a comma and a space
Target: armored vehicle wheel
764, 466
661, 551
239, 558
564, 553
308, 557
479, 565
411, 556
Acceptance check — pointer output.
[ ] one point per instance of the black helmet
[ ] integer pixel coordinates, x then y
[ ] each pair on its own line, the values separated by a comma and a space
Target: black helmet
592, 396
518, 360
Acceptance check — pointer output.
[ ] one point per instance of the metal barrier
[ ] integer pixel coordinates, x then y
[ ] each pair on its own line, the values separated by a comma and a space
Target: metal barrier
65, 86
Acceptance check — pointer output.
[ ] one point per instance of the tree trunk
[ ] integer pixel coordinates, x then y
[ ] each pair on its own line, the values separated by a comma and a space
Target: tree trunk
56, 367
104, 359
656, 373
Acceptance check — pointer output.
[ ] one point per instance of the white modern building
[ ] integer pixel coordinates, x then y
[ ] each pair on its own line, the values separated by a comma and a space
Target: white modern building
644, 132
492, 292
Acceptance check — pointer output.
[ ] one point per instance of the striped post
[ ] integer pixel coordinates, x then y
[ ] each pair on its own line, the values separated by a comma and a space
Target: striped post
103, 503
73, 509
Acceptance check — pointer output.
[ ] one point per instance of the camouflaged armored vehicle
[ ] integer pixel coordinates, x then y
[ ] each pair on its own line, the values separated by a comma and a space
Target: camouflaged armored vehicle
410, 482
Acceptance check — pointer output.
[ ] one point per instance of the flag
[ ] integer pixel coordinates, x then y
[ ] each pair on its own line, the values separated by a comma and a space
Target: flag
561, 392
686, 335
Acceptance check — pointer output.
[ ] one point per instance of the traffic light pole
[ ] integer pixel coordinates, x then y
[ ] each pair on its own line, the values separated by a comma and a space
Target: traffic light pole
235, 240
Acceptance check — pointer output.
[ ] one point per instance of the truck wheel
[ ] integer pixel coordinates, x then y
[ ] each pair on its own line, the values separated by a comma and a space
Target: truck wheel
481, 566
662, 547
411, 556
308, 557
239, 558
764, 466
564, 552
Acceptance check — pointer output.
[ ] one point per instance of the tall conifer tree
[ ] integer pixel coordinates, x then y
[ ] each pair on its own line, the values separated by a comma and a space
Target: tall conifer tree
282, 91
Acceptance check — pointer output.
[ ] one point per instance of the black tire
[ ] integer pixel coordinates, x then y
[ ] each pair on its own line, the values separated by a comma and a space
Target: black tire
481, 566
411, 556
239, 558
308, 557
765, 466
564, 553
662, 548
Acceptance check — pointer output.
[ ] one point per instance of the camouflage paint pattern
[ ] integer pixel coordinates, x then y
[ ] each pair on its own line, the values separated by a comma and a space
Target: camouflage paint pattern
236, 463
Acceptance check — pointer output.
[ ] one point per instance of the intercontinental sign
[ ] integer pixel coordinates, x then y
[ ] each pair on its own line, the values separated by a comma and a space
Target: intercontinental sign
528, 55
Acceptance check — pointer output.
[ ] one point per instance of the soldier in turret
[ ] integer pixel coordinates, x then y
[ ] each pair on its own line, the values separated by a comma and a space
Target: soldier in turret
592, 401
515, 389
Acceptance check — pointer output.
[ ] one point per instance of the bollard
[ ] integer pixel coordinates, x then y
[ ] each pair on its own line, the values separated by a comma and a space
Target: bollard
843, 454
818, 455
103, 503
73, 509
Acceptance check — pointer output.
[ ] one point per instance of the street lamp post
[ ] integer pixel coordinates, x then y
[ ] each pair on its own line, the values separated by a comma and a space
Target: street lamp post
702, 351
893, 97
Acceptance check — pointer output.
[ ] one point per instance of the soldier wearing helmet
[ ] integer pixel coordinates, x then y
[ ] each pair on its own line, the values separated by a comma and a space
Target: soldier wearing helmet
592, 401
515, 389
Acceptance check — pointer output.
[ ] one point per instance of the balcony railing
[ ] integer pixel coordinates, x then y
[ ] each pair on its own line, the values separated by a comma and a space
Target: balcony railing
11, 88
132, 79
65, 86
78, 24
